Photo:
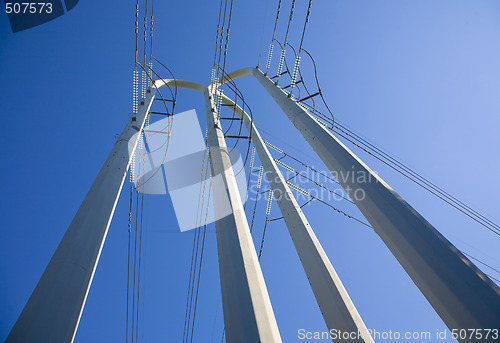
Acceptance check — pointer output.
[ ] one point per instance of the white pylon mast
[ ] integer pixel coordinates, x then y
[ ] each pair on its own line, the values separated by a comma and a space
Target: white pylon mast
54, 308
336, 306
248, 315
459, 292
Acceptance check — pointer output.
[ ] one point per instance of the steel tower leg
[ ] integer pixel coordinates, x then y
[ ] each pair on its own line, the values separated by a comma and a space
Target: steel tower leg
336, 306
248, 315
54, 308
460, 293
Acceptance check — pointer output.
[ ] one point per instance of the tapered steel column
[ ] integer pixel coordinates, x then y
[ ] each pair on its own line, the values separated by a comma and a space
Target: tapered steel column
248, 315
54, 308
460, 293
336, 306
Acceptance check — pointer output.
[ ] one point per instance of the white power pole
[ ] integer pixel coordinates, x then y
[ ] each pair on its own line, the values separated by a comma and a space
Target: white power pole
54, 308
460, 293
248, 314
336, 306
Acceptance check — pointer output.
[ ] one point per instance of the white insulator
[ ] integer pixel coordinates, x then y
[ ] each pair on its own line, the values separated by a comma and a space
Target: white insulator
150, 73
252, 159
295, 70
274, 147
135, 91
269, 202
270, 56
143, 84
303, 191
259, 182
282, 59
219, 102
132, 168
284, 165
213, 75
321, 122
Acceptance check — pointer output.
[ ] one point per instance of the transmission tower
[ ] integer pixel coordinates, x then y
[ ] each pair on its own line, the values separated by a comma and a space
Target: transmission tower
457, 290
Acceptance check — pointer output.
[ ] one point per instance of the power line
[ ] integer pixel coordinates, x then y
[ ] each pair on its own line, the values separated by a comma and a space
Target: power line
151, 31
189, 287
289, 22
276, 20
187, 317
262, 34
450, 201
134, 292
136, 31
305, 25
189, 321
413, 173
128, 262
385, 158
140, 255
272, 39
145, 30
483, 263
283, 48
297, 56
227, 37
199, 270
398, 166
268, 211
257, 196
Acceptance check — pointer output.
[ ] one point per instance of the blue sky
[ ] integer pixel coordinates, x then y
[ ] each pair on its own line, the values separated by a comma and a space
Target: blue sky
420, 79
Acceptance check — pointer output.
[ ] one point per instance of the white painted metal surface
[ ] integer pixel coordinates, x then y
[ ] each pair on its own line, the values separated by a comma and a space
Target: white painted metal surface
54, 308
336, 306
459, 292
248, 315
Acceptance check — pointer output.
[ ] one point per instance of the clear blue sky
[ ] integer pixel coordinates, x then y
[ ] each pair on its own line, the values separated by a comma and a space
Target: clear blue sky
421, 79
